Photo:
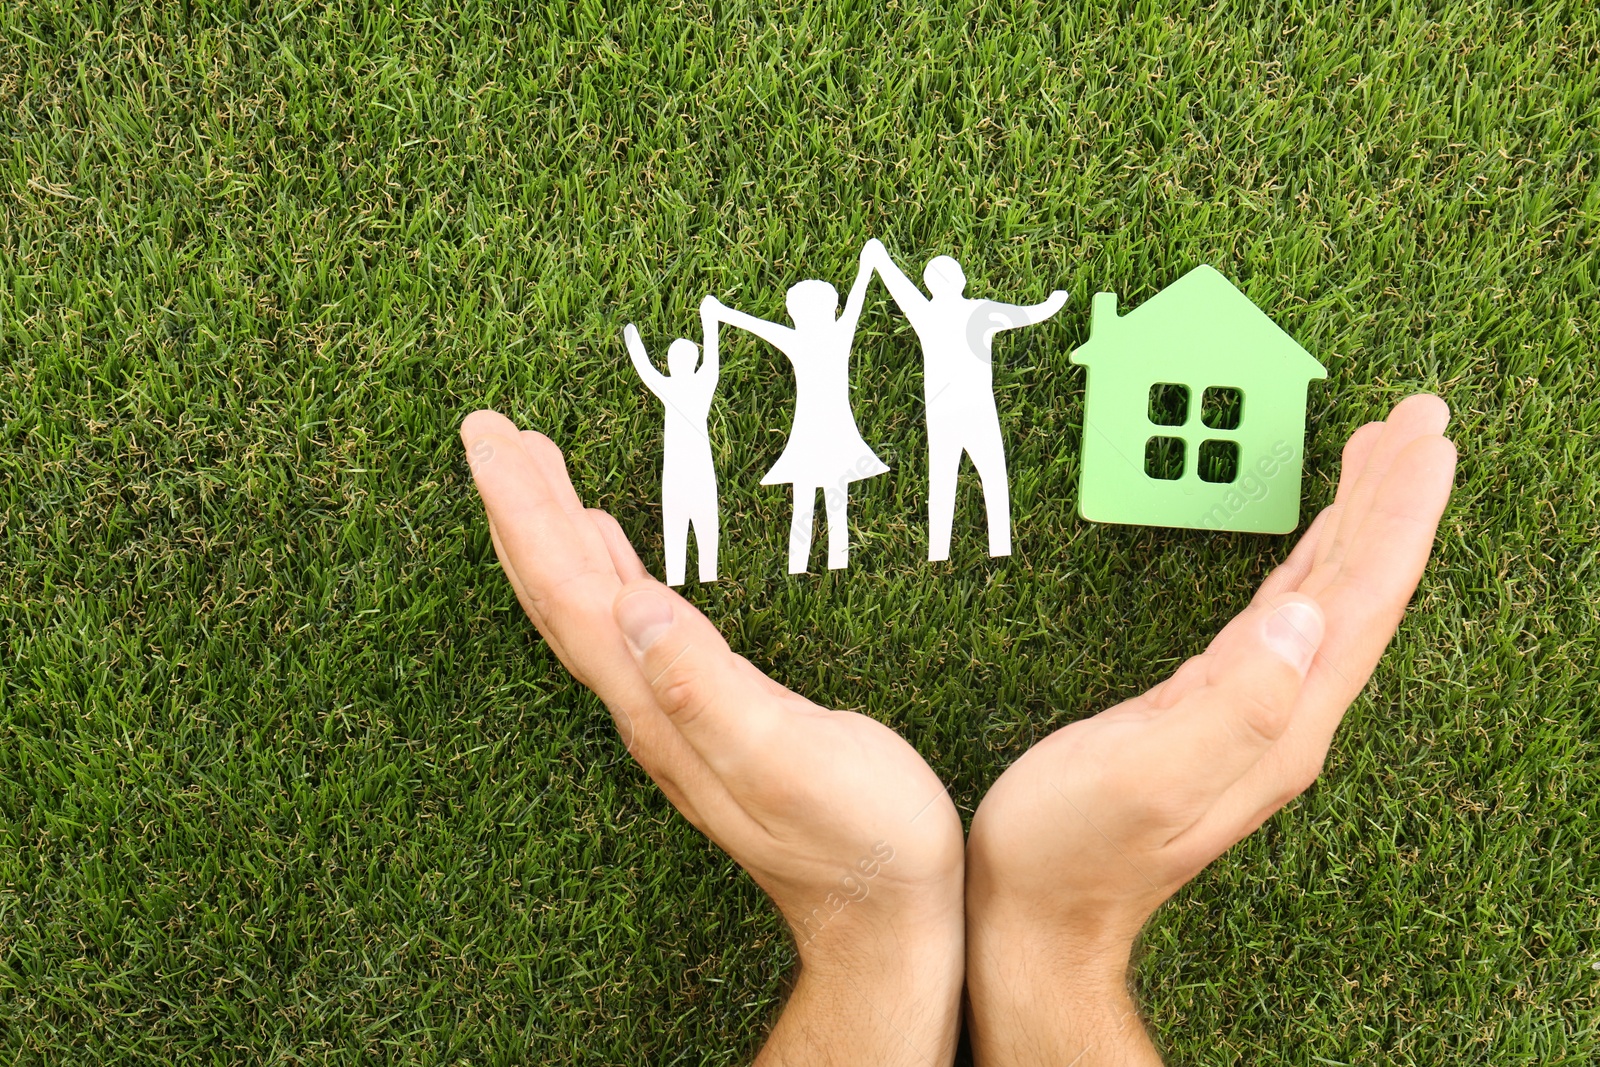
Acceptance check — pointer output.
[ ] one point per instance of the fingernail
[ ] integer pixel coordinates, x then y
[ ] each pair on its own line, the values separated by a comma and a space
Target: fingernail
1293, 632
644, 616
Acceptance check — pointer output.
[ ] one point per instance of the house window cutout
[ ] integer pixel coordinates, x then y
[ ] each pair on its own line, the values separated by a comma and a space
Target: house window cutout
1163, 458
1169, 404
1221, 407
1219, 461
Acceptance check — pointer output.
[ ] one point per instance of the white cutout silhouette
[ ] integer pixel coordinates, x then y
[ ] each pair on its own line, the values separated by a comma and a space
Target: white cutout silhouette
958, 387
688, 476
825, 450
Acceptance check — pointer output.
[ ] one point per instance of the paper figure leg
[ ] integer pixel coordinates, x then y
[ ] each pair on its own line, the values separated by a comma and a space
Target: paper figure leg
989, 456
676, 534
837, 502
705, 540
805, 503
944, 464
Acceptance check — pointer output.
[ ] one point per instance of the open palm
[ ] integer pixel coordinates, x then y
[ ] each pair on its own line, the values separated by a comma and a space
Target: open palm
1091, 829
832, 813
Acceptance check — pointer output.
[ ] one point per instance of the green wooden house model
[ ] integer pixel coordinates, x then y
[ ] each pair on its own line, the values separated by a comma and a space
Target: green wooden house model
1195, 411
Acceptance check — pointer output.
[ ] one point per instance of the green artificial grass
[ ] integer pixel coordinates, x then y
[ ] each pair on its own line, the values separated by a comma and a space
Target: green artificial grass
286, 777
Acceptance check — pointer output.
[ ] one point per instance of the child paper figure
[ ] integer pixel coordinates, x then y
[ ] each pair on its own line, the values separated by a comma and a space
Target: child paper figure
958, 387
825, 450
688, 476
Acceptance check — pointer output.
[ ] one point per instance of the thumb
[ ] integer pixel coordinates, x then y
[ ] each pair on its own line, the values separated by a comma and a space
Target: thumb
707, 692
1220, 729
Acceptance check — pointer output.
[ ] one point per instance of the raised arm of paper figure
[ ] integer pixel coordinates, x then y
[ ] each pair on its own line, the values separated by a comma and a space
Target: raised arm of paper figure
903, 289
770, 332
641, 359
858, 292
711, 361
1010, 316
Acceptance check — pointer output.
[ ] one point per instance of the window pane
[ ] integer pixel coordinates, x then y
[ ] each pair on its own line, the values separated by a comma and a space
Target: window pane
1163, 458
1169, 404
1219, 461
1221, 407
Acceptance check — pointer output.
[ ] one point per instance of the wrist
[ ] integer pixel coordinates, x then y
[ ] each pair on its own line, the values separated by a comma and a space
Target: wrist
1077, 920
1037, 995
917, 946
889, 990
1047, 978
1017, 942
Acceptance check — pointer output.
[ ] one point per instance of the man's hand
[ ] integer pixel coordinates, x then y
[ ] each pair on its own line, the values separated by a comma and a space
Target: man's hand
1080, 839
832, 813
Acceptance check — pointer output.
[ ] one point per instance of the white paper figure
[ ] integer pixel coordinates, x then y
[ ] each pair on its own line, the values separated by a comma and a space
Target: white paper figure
688, 476
825, 450
958, 387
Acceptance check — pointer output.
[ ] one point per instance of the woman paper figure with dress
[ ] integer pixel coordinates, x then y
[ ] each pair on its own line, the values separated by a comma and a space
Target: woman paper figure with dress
825, 450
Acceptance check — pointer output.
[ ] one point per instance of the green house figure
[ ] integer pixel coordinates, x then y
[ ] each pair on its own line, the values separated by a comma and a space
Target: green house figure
1195, 411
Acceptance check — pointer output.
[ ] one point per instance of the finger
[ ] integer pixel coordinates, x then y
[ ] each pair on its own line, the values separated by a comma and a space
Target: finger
1287, 576
1367, 596
1362, 610
1284, 578
569, 595
629, 567
711, 695
1421, 415
510, 571
1190, 675
485, 435
552, 464
1217, 731
551, 550
565, 572
549, 461
1353, 460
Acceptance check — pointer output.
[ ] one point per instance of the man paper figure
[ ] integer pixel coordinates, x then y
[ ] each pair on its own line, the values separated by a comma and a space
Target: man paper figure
958, 387
688, 476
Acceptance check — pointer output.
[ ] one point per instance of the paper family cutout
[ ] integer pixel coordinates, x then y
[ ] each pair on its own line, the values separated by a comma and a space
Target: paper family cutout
1179, 462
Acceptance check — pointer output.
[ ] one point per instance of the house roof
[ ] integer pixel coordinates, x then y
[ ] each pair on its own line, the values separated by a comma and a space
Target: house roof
1199, 323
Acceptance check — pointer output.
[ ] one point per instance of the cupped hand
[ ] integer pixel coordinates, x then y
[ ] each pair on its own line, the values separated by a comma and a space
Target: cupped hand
1084, 835
833, 814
